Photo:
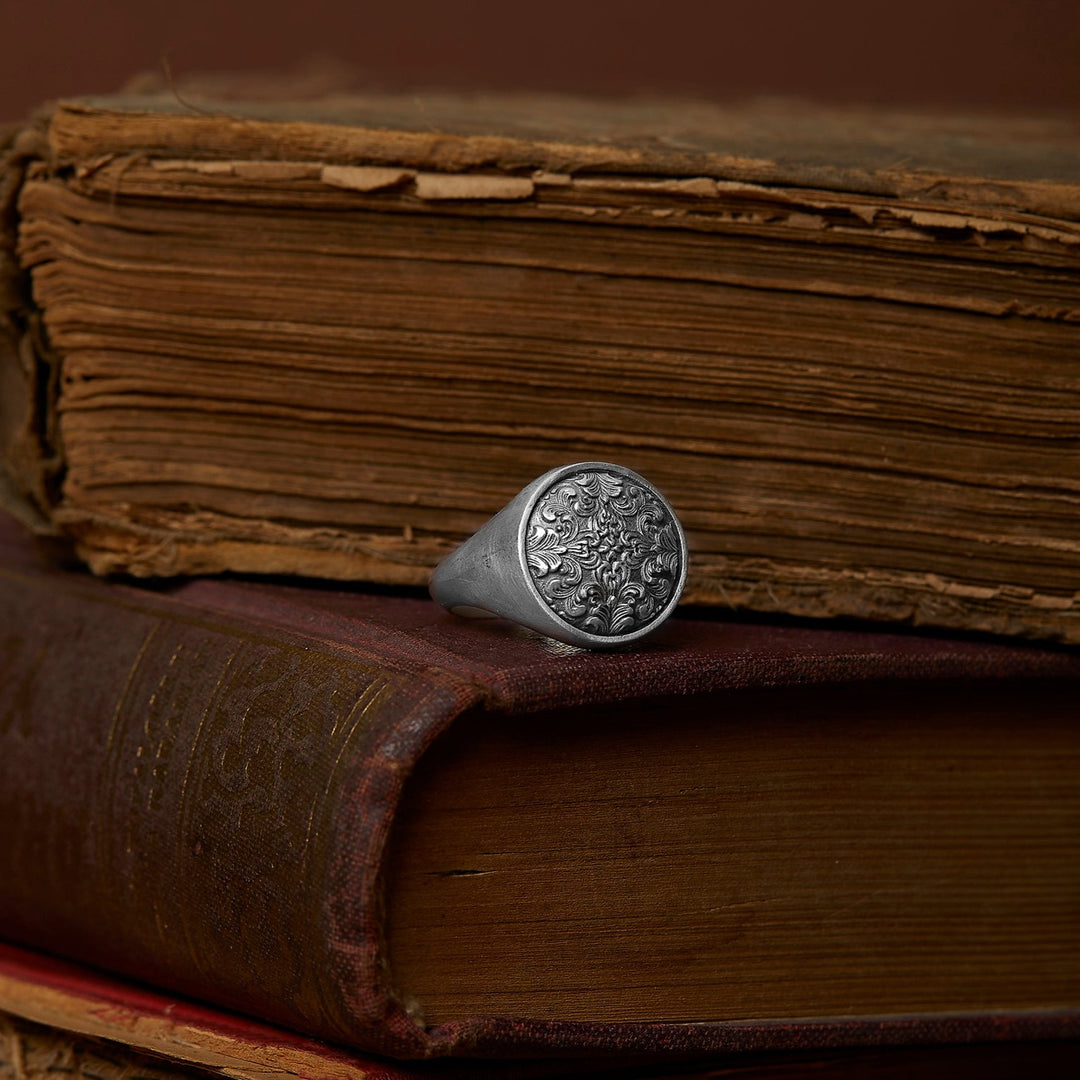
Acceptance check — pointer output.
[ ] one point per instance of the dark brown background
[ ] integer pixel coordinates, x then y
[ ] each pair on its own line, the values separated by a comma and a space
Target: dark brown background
1022, 54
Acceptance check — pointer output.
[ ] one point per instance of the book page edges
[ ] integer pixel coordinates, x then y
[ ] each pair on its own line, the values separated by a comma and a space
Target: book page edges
110, 544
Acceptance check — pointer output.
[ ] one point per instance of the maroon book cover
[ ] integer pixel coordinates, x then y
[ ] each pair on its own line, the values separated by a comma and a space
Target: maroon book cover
198, 782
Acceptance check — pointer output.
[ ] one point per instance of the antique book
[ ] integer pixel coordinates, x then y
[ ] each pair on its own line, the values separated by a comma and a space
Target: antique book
58, 1018
332, 339
358, 817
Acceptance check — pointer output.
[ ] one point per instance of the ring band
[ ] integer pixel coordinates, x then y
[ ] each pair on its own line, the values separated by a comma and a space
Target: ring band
590, 554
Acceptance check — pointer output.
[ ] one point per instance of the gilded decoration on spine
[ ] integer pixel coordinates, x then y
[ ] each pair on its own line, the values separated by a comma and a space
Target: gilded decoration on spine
603, 552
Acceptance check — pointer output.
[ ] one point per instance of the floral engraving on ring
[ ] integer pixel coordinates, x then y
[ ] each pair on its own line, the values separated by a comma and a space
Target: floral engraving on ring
603, 552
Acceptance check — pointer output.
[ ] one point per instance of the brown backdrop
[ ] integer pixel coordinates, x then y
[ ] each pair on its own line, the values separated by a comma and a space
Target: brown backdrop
989, 53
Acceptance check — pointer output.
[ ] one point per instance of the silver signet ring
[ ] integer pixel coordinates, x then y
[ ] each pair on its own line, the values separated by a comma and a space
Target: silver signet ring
590, 554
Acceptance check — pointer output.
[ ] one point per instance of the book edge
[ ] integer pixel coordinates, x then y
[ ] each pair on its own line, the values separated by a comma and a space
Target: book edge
63, 995
118, 126
76, 999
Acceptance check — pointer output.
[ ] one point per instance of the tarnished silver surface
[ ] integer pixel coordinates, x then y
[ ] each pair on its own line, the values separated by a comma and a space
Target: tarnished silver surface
590, 554
603, 551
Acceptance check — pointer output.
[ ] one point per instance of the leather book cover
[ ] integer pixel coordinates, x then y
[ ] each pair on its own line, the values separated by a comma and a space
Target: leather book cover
198, 781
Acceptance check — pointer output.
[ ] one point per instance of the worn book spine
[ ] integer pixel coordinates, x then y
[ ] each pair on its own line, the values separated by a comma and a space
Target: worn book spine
214, 791
197, 786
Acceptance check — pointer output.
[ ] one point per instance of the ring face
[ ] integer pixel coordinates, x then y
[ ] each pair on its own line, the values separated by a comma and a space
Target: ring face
605, 552
590, 554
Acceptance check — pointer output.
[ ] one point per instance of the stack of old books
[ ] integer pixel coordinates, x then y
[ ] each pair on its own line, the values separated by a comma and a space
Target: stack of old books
308, 827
